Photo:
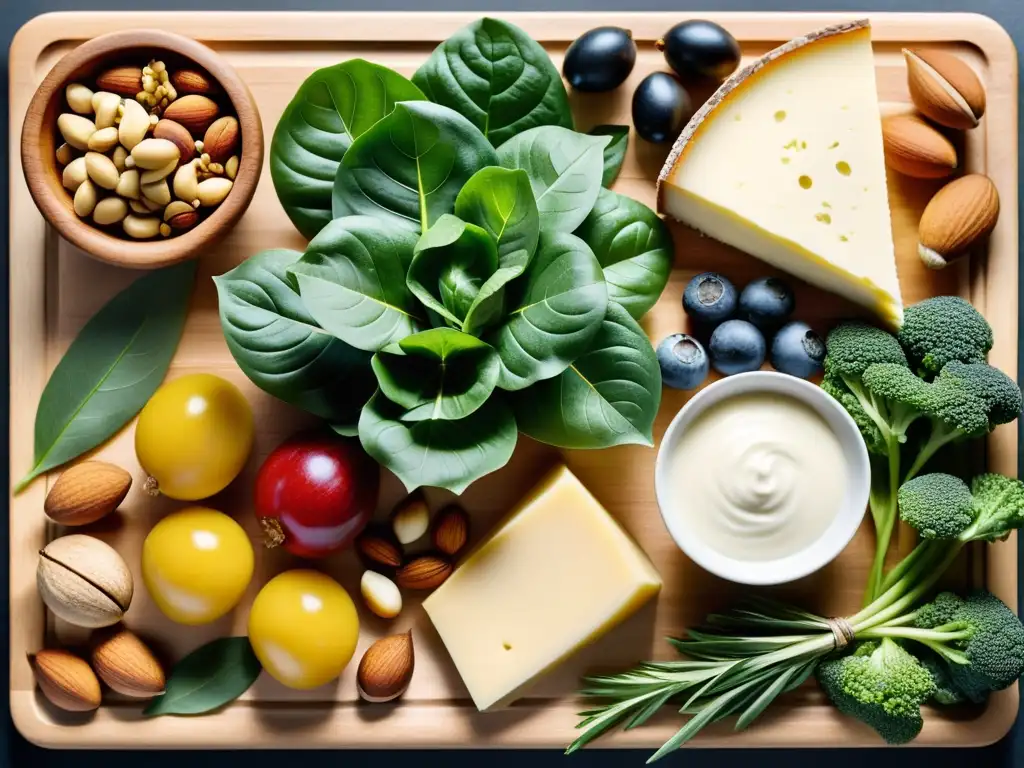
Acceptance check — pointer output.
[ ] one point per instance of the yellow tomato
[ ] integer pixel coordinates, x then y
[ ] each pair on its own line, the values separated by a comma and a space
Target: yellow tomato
197, 564
194, 436
303, 628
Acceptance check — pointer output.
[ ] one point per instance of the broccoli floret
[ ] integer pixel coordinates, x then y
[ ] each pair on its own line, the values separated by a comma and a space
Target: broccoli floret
873, 437
939, 330
939, 611
998, 507
853, 346
938, 505
946, 692
1000, 393
880, 684
994, 647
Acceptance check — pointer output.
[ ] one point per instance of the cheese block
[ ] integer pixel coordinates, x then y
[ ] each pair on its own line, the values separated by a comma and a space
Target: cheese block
553, 577
785, 162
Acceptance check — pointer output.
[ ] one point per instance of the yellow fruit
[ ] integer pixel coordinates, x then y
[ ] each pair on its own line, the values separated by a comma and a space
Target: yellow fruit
194, 436
197, 564
303, 627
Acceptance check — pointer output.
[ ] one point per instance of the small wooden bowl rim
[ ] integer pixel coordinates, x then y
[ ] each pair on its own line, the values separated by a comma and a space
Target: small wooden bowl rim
44, 178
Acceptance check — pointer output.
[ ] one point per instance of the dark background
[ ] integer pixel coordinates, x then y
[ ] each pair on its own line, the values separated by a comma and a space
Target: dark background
17, 752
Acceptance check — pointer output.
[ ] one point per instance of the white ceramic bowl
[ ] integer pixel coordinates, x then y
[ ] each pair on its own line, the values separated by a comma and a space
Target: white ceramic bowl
836, 536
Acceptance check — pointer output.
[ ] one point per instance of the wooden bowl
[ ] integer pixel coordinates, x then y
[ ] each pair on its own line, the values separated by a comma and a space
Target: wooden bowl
40, 139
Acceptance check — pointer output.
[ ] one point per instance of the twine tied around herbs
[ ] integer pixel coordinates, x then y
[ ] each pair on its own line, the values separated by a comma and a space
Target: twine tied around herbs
842, 632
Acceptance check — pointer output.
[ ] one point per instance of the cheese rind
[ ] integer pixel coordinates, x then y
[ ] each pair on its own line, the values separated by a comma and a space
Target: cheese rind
785, 162
552, 578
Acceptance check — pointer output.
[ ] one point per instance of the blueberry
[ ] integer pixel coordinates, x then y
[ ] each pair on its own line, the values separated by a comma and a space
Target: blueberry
737, 347
709, 298
684, 364
767, 303
797, 350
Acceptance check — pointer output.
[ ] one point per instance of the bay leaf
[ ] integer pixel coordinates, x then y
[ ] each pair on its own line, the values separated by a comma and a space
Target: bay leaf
208, 678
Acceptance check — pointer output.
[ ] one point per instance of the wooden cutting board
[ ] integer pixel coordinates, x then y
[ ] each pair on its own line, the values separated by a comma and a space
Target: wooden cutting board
55, 289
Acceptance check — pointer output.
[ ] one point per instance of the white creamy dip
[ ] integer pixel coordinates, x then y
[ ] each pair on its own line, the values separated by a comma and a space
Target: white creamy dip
758, 477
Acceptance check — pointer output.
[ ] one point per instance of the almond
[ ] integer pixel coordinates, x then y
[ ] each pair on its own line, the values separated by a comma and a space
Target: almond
186, 81
221, 139
410, 518
181, 138
66, 680
126, 664
381, 595
944, 88
86, 492
152, 154
386, 668
960, 216
379, 546
450, 530
914, 148
124, 81
194, 112
183, 221
424, 572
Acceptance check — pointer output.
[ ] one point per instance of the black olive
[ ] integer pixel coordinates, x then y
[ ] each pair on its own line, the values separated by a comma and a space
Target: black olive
700, 49
661, 107
600, 60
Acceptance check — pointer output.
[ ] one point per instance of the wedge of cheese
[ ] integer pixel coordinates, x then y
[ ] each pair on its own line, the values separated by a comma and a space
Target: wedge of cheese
552, 578
785, 162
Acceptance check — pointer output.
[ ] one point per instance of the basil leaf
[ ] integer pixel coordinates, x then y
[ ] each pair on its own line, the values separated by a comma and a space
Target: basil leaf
615, 152
565, 171
279, 346
352, 281
332, 107
408, 169
443, 454
114, 365
452, 261
501, 202
208, 678
437, 374
497, 76
609, 395
633, 245
555, 310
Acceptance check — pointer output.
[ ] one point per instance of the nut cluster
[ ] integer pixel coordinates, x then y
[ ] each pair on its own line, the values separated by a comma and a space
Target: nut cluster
948, 97
148, 150
383, 550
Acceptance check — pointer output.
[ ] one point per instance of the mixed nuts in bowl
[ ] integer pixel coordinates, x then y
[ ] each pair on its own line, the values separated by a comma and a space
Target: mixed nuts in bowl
142, 147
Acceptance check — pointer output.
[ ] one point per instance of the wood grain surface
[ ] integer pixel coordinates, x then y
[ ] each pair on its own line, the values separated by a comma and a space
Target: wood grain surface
55, 289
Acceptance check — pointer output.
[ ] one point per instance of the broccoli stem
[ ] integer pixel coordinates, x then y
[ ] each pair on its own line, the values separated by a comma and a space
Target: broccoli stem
885, 523
904, 565
937, 639
940, 437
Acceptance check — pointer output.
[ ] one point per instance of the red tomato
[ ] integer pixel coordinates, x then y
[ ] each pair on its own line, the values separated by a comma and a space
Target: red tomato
315, 493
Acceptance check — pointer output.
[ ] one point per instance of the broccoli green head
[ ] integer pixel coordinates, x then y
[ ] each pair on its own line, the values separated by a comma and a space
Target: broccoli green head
998, 507
939, 611
942, 329
873, 438
1000, 393
938, 505
995, 648
946, 692
882, 685
853, 346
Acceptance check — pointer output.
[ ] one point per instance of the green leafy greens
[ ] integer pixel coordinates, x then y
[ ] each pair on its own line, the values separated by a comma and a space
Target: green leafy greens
471, 278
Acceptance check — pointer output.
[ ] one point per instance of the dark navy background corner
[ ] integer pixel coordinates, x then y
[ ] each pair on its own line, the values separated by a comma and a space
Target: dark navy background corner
15, 751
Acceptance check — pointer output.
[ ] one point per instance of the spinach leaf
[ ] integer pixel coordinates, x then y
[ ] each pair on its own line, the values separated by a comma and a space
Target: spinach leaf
332, 107
408, 169
565, 171
352, 281
437, 374
208, 678
443, 454
452, 261
633, 245
279, 346
615, 152
608, 396
501, 202
497, 76
554, 311
114, 365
